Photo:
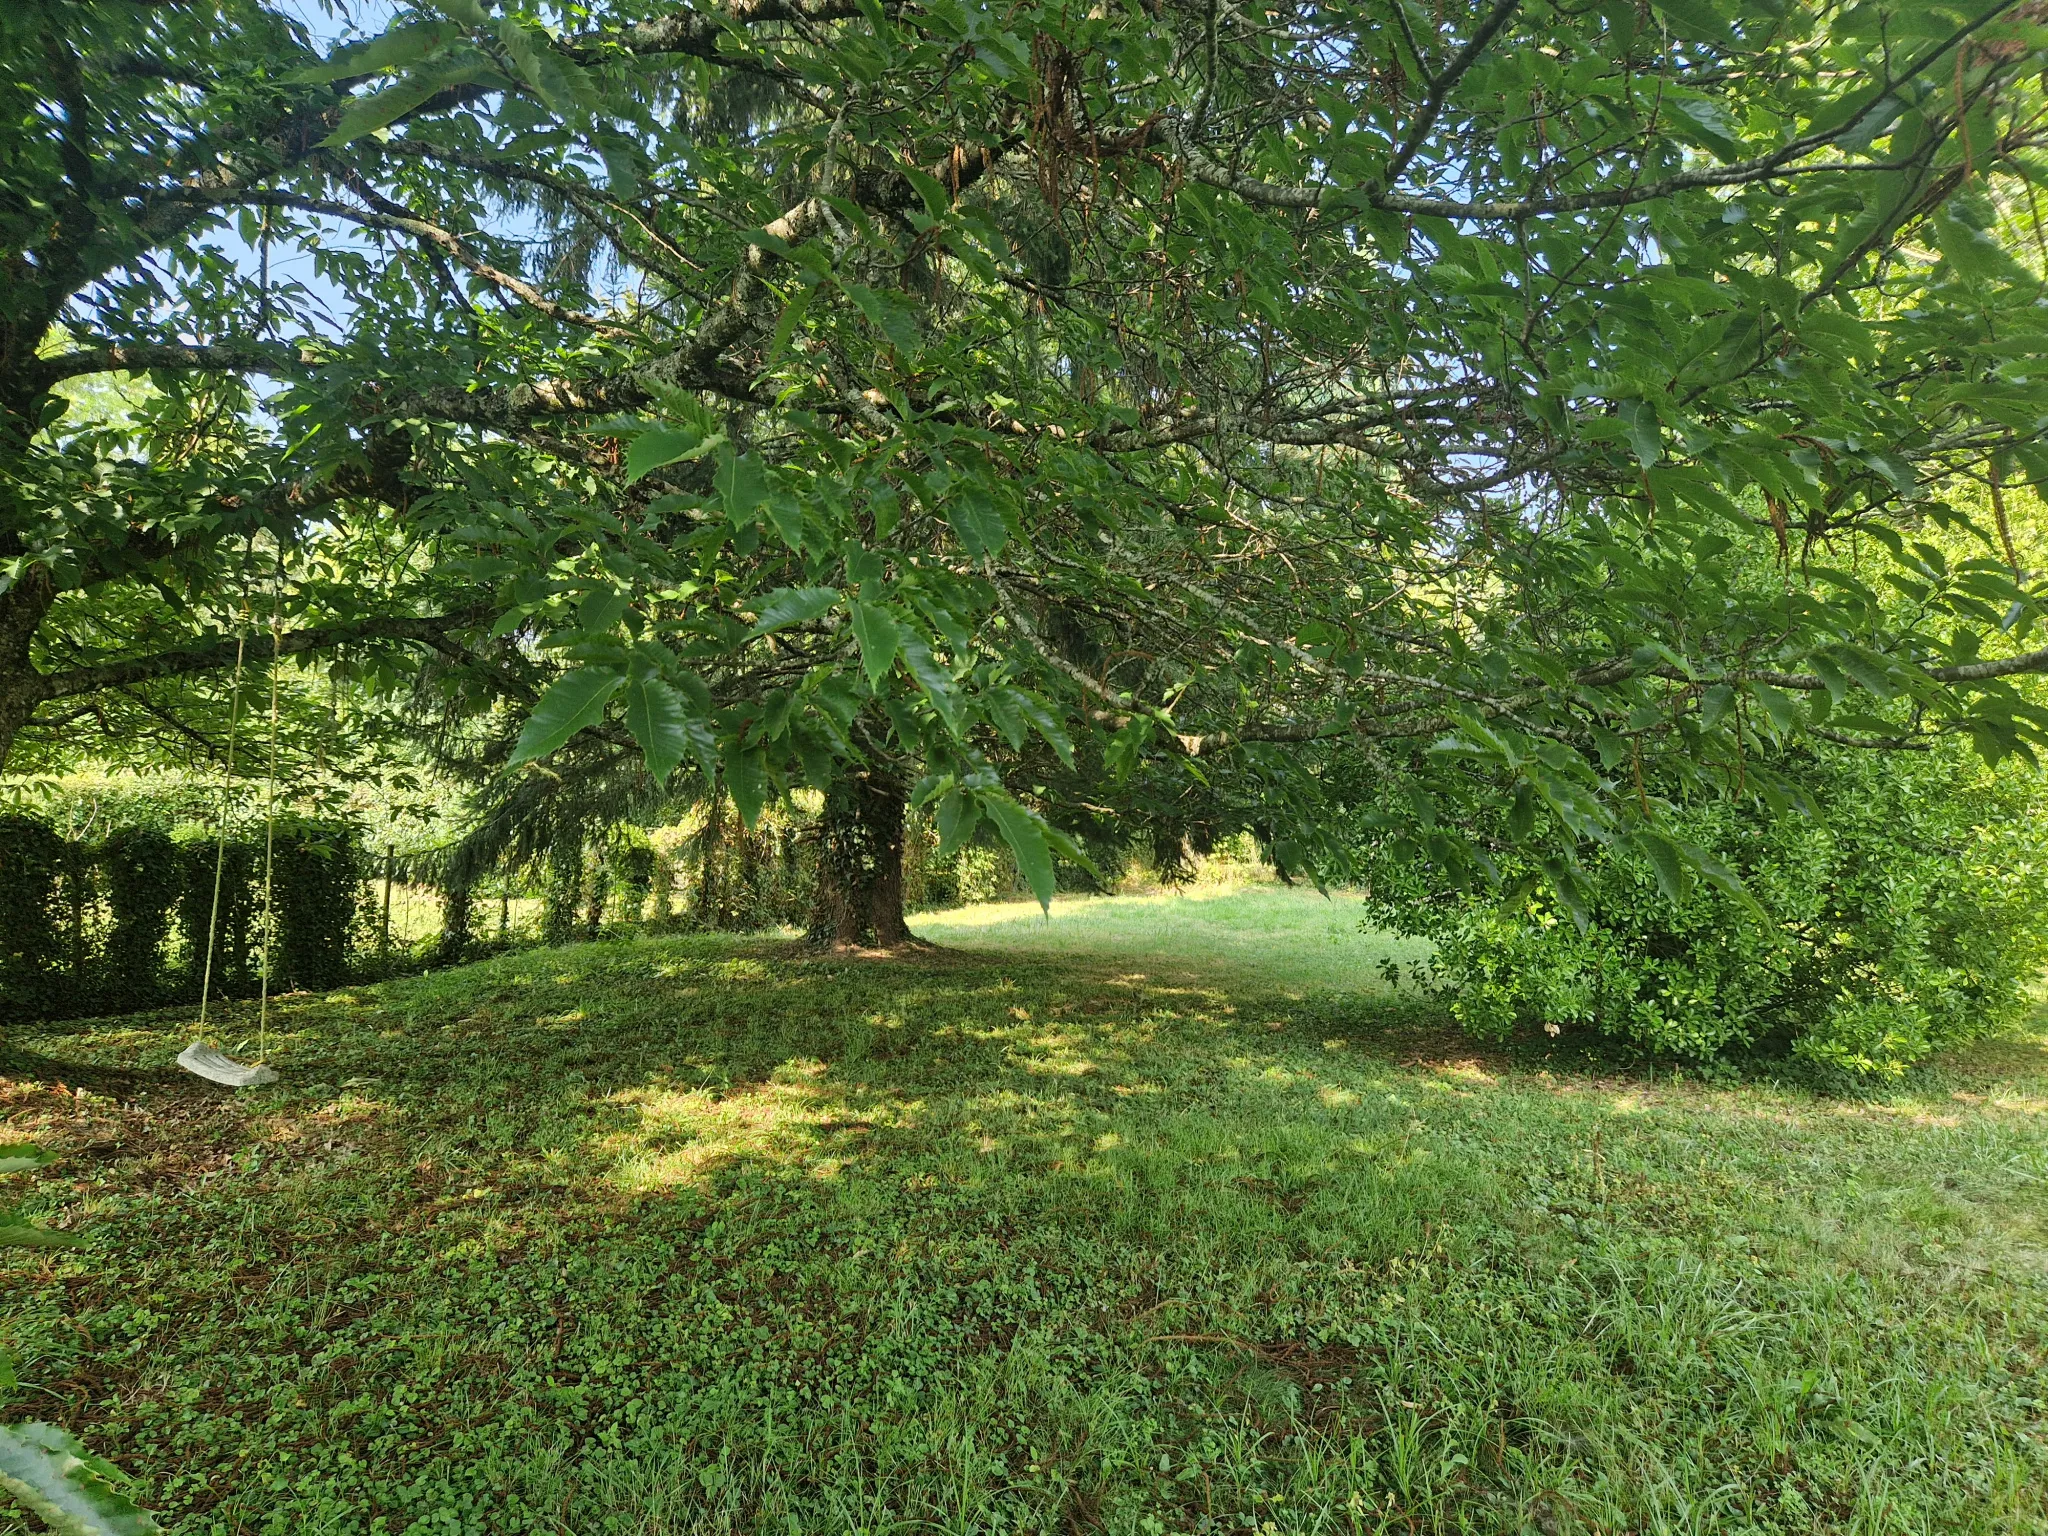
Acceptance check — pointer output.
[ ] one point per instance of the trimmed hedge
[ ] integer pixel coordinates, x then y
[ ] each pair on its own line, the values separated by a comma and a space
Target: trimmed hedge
144, 875
122, 923
31, 935
316, 877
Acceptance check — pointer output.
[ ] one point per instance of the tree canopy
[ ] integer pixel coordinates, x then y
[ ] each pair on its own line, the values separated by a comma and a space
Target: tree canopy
1560, 405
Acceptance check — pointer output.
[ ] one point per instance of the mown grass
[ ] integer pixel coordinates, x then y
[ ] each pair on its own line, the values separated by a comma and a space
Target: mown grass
699, 1235
1290, 939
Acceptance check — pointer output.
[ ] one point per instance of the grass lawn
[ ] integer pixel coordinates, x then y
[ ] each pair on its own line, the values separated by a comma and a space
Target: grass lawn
1267, 936
1136, 1223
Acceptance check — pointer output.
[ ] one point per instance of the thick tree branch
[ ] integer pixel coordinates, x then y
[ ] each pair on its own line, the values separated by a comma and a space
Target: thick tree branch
1609, 673
221, 654
232, 354
419, 229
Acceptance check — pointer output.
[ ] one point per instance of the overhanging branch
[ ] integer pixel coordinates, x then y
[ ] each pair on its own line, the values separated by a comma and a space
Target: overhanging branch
221, 654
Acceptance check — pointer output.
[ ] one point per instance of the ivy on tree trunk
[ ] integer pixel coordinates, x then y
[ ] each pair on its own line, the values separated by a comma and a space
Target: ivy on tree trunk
860, 865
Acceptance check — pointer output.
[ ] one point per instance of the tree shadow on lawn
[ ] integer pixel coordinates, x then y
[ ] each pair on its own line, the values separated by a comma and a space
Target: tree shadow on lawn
974, 1242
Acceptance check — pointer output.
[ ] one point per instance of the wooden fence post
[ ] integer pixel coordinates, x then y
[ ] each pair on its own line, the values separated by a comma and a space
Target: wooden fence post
384, 941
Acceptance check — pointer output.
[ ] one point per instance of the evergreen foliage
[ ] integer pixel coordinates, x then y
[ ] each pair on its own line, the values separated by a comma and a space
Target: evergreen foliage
316, 880
123, 924
145, 874
31, 945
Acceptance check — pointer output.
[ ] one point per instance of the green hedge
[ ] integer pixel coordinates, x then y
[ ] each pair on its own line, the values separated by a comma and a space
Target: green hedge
31, 933
1908, 911
144, 875
121, 922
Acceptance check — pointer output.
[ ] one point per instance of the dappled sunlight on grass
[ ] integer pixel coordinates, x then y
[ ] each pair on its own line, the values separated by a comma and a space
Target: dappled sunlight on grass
1294, 939
837, 1243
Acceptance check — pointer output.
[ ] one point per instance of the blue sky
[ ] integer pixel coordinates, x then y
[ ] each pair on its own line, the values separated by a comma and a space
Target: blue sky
328, 22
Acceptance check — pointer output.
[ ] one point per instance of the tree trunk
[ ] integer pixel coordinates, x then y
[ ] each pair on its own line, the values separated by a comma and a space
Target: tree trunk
709, 847
453, 945
860, 866
22, 607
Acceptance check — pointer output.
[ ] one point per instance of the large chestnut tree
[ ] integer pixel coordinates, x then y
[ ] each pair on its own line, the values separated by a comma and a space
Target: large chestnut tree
902, 395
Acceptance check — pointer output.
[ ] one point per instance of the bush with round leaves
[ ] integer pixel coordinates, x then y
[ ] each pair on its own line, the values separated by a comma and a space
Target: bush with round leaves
1904, 910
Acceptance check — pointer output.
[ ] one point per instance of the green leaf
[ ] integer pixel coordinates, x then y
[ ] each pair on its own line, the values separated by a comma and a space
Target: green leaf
1971, 242
880, 637
366, 114
1867, 668
934, 679
1715, 704
1729, 884
1025, 834
1700, 20
1779, 705
558, 82
1009, 719
52, 1475
659, 446
656, 716
1703, 122
571, 703
957, 817
621, 165
1047, 724
793, 605
22, 1156
787, 515
1644, 434
21, 1235
1522, 813
400, 45
746, 776
1570, 890
1830, 672
742, 486
1668, 862
470, 13
601, 609
976, 522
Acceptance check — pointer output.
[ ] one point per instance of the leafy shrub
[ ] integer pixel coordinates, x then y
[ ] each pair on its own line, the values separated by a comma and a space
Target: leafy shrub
632, 857
316, 874
1908, 911
562, 889
32, 860
231, 872
145, 874
985, 873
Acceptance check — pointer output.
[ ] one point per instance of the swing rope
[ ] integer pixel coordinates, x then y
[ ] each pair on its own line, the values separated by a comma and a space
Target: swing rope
227, 784
199, 1057
270, 809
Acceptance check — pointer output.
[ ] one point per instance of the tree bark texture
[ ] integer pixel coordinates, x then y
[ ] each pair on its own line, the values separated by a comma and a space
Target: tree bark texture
860, 866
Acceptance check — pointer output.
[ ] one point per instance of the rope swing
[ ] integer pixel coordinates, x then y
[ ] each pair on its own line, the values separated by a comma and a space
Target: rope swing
200, 1058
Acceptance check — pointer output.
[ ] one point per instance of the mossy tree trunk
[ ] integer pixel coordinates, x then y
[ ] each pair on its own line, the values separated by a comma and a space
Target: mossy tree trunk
860, 865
